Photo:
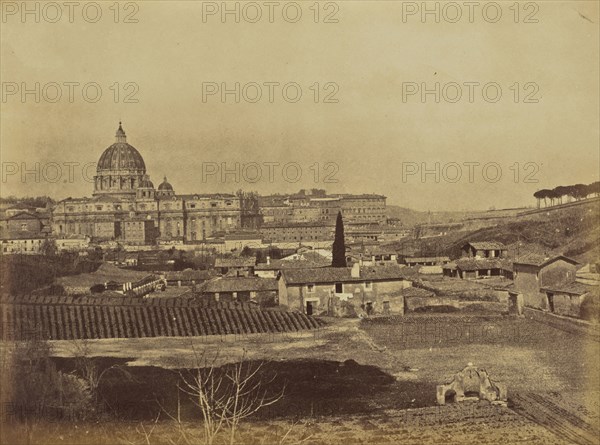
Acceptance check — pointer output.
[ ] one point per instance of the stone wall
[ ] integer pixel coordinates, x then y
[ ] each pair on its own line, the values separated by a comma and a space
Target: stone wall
571, 325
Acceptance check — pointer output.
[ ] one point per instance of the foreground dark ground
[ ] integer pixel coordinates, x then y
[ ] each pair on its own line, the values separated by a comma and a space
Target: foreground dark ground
357, 383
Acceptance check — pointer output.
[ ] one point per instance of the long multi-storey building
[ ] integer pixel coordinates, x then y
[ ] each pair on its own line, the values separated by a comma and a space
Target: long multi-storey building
126, 207
301, 208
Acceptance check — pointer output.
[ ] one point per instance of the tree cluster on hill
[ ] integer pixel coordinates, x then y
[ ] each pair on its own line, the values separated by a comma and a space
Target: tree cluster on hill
21, 274
34, 201
577, 191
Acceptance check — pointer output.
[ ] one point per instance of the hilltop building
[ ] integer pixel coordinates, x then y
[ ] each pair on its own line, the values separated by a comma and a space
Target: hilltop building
484, 249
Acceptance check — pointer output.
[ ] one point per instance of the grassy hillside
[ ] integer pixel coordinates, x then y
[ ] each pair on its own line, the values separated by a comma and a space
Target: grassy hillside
572, 232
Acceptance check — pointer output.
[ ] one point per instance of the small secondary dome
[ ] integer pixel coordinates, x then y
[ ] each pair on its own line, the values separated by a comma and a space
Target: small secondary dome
165, 186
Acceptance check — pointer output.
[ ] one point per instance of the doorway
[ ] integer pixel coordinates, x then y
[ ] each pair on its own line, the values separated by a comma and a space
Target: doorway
309, 308
551, 302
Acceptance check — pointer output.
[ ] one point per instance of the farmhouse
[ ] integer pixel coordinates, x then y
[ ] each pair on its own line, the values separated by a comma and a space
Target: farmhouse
188, 277
572, 299
240, 266
372, 256
533, 273
339, 291
426, 261
244, 289
484, 249
466, 268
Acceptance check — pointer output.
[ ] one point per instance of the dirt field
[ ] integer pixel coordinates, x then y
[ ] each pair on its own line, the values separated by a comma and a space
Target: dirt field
354, 382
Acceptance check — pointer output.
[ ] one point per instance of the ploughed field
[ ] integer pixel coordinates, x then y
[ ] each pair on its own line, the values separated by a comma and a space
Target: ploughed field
550, 365
370, 381
67, 318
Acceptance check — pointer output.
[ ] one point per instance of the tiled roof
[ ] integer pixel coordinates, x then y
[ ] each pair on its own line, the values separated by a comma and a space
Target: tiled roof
534, 259
416, 292
573, 288
426, 259
25, 215
344, 274
239, 284
487, 245
235, 262
189, 275
290, 264
470, 264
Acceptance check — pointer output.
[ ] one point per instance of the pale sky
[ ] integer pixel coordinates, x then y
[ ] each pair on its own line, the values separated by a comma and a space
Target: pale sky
371, 134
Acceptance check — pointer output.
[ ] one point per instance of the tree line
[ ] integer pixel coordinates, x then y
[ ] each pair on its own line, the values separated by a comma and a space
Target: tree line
557, 194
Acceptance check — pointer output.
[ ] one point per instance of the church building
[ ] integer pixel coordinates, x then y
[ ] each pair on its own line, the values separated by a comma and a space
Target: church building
125, 206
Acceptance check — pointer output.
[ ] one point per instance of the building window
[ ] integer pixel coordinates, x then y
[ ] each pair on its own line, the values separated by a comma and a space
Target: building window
23, 226
368, 285
310, 288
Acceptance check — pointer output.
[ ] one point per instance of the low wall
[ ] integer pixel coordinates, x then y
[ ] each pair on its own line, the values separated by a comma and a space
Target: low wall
563, 323
413, 303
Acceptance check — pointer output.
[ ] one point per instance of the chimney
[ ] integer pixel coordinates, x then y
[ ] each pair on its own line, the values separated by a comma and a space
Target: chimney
355, 273
268, 260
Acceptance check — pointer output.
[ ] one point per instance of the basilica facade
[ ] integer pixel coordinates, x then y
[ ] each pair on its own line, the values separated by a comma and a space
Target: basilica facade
125, 206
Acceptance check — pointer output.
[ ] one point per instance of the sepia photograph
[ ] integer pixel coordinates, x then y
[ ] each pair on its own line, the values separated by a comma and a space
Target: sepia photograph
303, 222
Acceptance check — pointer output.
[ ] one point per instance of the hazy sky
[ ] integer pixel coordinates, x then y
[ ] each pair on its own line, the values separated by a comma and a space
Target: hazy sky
544, 126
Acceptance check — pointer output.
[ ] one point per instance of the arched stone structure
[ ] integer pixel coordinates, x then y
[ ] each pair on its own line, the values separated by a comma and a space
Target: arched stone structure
472, 379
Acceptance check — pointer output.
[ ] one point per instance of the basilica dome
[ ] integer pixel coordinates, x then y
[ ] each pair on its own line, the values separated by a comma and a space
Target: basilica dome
121, 170
121, 156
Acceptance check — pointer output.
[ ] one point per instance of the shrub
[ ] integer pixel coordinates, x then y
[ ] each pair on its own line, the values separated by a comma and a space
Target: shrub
97, 288
38, 390
590, 309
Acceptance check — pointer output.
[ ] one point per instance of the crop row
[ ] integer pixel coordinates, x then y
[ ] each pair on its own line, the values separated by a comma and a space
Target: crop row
104, 300
69, 322
562, 422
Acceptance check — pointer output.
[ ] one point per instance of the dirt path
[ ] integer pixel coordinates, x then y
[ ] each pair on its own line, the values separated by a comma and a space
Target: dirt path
551, 416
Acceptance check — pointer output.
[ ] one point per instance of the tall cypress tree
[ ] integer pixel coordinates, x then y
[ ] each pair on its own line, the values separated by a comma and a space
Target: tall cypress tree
339, 245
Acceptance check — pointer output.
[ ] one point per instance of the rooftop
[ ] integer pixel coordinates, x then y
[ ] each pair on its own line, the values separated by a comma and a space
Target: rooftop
239, 284
534, 259
416, 292
486, 245
344, 274
235, 262
574, 288
290, 264
470, 264
426, 259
